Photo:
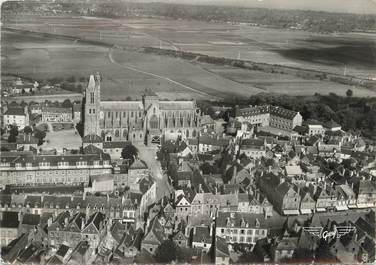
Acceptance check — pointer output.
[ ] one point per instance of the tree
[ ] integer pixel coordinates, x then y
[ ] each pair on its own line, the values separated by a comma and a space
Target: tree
167, 252
80, 128
67, 103
172, 172
129, 152
207, 168
349, 93
28, 130
13, 133
40, 135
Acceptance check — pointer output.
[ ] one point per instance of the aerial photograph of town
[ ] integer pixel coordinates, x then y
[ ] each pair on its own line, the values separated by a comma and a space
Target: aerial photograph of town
188, 132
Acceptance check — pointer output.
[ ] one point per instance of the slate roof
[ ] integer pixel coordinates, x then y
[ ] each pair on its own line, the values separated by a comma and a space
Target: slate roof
91, 149
111, 145
62, 251
56, 110
177, 105
202, 234
122, 105
264, 109
138, 164
30, 219
252, 143
92, 138
15, 112
221, 247
213, 141
9, 220
54, 159
26, 139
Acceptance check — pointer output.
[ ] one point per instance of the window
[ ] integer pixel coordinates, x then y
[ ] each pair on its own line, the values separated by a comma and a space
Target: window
81, 163
131, 114
222, 230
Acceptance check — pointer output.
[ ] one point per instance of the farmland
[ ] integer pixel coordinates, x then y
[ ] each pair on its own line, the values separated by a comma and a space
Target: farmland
128, 72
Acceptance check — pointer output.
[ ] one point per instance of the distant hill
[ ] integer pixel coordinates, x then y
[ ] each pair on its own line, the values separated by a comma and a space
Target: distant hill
314, 21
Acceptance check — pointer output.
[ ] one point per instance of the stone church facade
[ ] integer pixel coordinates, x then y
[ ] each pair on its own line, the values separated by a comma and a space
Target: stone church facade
137, 121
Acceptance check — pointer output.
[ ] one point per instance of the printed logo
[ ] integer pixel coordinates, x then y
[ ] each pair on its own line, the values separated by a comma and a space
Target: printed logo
337, 232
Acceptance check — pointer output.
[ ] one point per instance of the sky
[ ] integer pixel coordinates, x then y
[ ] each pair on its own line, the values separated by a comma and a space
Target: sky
351, 6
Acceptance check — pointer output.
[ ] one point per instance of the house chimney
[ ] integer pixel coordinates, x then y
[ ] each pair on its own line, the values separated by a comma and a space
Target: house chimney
82, 223
19, 217
234, 173
49, 222
211, 230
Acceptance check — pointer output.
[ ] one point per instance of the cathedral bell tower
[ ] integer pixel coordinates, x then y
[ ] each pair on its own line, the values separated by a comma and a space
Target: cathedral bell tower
92, 105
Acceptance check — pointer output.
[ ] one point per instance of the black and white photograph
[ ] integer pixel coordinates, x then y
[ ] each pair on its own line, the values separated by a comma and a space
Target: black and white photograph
188, 132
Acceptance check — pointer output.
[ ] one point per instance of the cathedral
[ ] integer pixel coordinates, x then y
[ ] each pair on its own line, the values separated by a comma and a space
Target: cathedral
137, 121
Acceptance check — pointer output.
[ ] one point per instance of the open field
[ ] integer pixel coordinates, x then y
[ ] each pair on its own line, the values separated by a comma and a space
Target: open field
352, 53
125, 73
128, 72
283, 83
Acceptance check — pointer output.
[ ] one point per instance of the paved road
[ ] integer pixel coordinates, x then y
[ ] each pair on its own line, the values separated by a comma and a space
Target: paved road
148, 154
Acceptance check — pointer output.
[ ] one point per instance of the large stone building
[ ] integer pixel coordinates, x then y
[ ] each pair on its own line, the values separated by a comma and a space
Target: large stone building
137, 121
30, 169
273, 116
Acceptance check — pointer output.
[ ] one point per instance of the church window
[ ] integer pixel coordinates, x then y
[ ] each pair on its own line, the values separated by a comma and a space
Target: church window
93, 111
92, 97
125, 133
123, 114
117, 133
89, 111
116, 114
154, 111
187, 134
108, 114
140, 135
194, 133
131, 114
139, 114
134, 136
153, 122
